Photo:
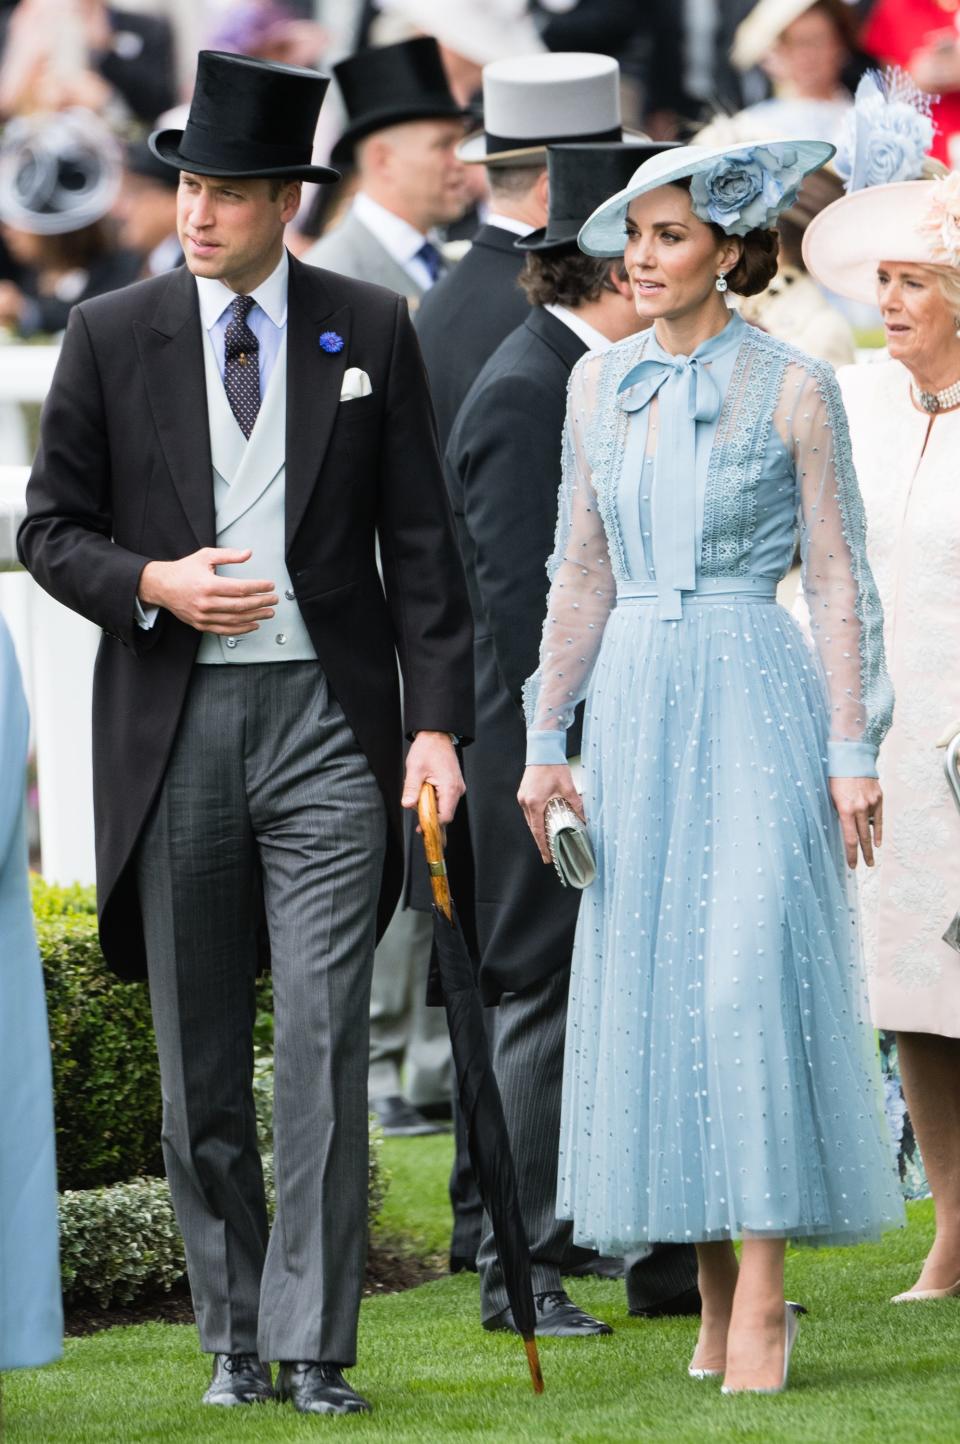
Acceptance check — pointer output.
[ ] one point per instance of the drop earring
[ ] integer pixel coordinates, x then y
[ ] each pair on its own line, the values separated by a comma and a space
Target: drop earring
721, 282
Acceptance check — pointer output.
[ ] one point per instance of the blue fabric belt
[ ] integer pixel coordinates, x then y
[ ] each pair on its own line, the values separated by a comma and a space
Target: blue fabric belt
708, 589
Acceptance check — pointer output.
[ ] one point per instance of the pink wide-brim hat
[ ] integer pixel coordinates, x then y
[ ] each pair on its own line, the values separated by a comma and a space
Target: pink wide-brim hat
845, 243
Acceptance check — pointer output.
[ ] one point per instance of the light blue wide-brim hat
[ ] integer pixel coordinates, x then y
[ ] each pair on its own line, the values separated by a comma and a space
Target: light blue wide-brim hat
778, 166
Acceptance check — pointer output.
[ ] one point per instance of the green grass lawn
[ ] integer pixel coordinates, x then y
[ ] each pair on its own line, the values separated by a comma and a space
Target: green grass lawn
863, 1370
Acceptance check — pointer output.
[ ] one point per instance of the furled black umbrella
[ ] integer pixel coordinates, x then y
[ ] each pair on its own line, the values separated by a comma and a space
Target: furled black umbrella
479, 1095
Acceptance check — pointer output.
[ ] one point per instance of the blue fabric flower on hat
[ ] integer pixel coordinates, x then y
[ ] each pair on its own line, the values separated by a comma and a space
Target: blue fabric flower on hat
331, 342
887, 134
746, 192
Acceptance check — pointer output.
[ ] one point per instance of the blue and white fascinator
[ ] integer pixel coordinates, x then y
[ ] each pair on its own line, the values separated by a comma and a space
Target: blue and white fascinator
739, 188
887, 133
901, 204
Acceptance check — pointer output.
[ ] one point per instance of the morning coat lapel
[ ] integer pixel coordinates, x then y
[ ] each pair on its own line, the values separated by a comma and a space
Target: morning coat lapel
314, 382
171, 354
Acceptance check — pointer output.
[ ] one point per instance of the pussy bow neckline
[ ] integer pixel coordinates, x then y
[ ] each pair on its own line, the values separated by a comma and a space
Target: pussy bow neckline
690, 394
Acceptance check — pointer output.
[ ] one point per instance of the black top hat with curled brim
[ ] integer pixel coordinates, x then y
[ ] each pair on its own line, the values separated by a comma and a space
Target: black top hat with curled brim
581, 178
389, 85
248, 118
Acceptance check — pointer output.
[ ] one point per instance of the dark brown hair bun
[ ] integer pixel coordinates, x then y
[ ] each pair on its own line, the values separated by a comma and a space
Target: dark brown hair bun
757, 265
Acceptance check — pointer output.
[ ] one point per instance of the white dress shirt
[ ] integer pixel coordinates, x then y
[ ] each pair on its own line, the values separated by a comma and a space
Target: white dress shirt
593, 339
507, 223
398, 237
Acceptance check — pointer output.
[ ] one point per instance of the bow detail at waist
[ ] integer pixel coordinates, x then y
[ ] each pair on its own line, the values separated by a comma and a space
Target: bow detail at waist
690, 394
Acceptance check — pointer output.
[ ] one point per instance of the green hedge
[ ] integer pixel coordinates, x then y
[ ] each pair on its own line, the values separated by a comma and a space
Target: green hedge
118, 1234
106, 1084
120, 1242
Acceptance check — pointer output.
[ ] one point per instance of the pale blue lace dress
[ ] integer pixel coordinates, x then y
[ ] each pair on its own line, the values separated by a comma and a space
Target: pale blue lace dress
721, 1076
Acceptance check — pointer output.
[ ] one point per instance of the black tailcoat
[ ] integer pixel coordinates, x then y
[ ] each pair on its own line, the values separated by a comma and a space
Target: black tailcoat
503, 464
124, 476
464, 317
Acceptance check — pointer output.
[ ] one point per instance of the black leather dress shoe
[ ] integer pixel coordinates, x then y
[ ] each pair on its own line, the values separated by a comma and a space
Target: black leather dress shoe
680, 1306
318, 1389
239, 1379
399, 1119
557, 1318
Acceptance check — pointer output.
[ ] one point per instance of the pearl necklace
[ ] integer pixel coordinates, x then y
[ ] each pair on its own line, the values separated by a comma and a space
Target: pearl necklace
934, 401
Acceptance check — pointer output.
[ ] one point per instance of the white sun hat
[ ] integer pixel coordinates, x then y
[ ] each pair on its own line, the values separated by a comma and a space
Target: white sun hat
479, 30
760, 29
740, 188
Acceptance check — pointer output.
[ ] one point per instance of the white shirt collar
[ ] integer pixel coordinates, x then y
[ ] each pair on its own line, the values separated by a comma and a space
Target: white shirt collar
398, 237
270, 296
507, 223
593, 339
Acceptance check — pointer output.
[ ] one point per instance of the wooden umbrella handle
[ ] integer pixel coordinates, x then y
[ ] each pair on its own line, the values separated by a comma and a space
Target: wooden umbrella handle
433, 846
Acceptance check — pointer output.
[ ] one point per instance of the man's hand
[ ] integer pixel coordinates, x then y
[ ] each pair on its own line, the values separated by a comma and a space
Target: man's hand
192, 591
539, 783
432, 758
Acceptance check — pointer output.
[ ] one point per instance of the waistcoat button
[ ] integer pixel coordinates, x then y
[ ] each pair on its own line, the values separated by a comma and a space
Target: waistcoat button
281, 638
231, 641
290, 596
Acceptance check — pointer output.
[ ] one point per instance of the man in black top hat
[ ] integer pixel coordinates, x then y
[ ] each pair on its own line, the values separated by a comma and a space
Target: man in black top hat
503, 466
403, 130
220, 450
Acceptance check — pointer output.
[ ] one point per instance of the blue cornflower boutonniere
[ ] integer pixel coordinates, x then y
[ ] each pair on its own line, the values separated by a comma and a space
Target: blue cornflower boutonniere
331, 342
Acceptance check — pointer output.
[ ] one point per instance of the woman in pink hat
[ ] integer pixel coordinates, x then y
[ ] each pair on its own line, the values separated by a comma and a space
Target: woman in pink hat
898, 244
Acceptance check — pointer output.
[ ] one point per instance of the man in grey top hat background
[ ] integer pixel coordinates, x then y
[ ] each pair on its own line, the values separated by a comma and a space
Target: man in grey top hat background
503, 464
222, 449
527, 102
403, 129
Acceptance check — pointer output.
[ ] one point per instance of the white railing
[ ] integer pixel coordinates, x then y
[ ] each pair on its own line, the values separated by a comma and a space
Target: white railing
55, 647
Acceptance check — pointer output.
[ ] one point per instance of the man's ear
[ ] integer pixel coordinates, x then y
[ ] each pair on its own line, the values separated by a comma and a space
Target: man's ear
619, 280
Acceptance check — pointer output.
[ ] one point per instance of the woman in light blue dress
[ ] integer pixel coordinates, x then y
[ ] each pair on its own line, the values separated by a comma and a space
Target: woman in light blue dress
31, 1318
721, 1078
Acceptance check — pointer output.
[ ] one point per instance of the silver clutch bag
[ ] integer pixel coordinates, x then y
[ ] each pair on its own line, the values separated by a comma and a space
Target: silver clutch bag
569, 844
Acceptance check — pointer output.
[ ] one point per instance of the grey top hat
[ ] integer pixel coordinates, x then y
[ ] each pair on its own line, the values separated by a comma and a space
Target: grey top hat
532, 101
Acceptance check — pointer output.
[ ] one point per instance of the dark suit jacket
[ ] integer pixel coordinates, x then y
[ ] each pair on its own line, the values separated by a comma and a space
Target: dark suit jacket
124, 476
465, 316
503, 464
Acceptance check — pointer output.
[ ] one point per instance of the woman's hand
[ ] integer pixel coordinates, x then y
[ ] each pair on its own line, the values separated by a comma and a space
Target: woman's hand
538, 784
859, 804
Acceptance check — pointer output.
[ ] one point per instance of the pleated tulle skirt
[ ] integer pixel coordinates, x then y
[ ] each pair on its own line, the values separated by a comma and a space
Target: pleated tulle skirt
721, 1074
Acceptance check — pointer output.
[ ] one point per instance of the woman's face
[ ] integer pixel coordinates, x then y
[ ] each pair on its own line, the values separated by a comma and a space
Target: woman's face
920, 324
671, 256
809, 56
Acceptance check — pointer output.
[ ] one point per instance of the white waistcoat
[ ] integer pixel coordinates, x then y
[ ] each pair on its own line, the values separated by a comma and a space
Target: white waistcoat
249, 490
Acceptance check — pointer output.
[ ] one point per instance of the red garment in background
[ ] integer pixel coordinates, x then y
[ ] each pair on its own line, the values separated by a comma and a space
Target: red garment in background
896, 30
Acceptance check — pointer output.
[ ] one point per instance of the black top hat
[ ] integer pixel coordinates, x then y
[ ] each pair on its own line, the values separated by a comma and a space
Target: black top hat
139, 160
389, 85
248, 118
581, 178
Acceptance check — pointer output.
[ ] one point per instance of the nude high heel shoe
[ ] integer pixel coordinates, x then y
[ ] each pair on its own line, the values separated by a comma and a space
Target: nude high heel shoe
919, 1296
704, 1373
792, 1314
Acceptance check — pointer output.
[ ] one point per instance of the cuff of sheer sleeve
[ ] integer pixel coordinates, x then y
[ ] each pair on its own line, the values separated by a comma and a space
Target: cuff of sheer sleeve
851, 759
144, 616
546, 749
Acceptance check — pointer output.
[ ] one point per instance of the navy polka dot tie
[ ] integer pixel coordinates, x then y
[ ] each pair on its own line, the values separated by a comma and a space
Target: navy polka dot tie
241, 373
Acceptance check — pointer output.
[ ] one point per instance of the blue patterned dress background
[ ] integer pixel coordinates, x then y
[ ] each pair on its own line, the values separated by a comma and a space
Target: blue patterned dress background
721, 1075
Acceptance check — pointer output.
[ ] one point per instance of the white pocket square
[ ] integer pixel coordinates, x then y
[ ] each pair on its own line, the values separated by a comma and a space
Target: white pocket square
356, 383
